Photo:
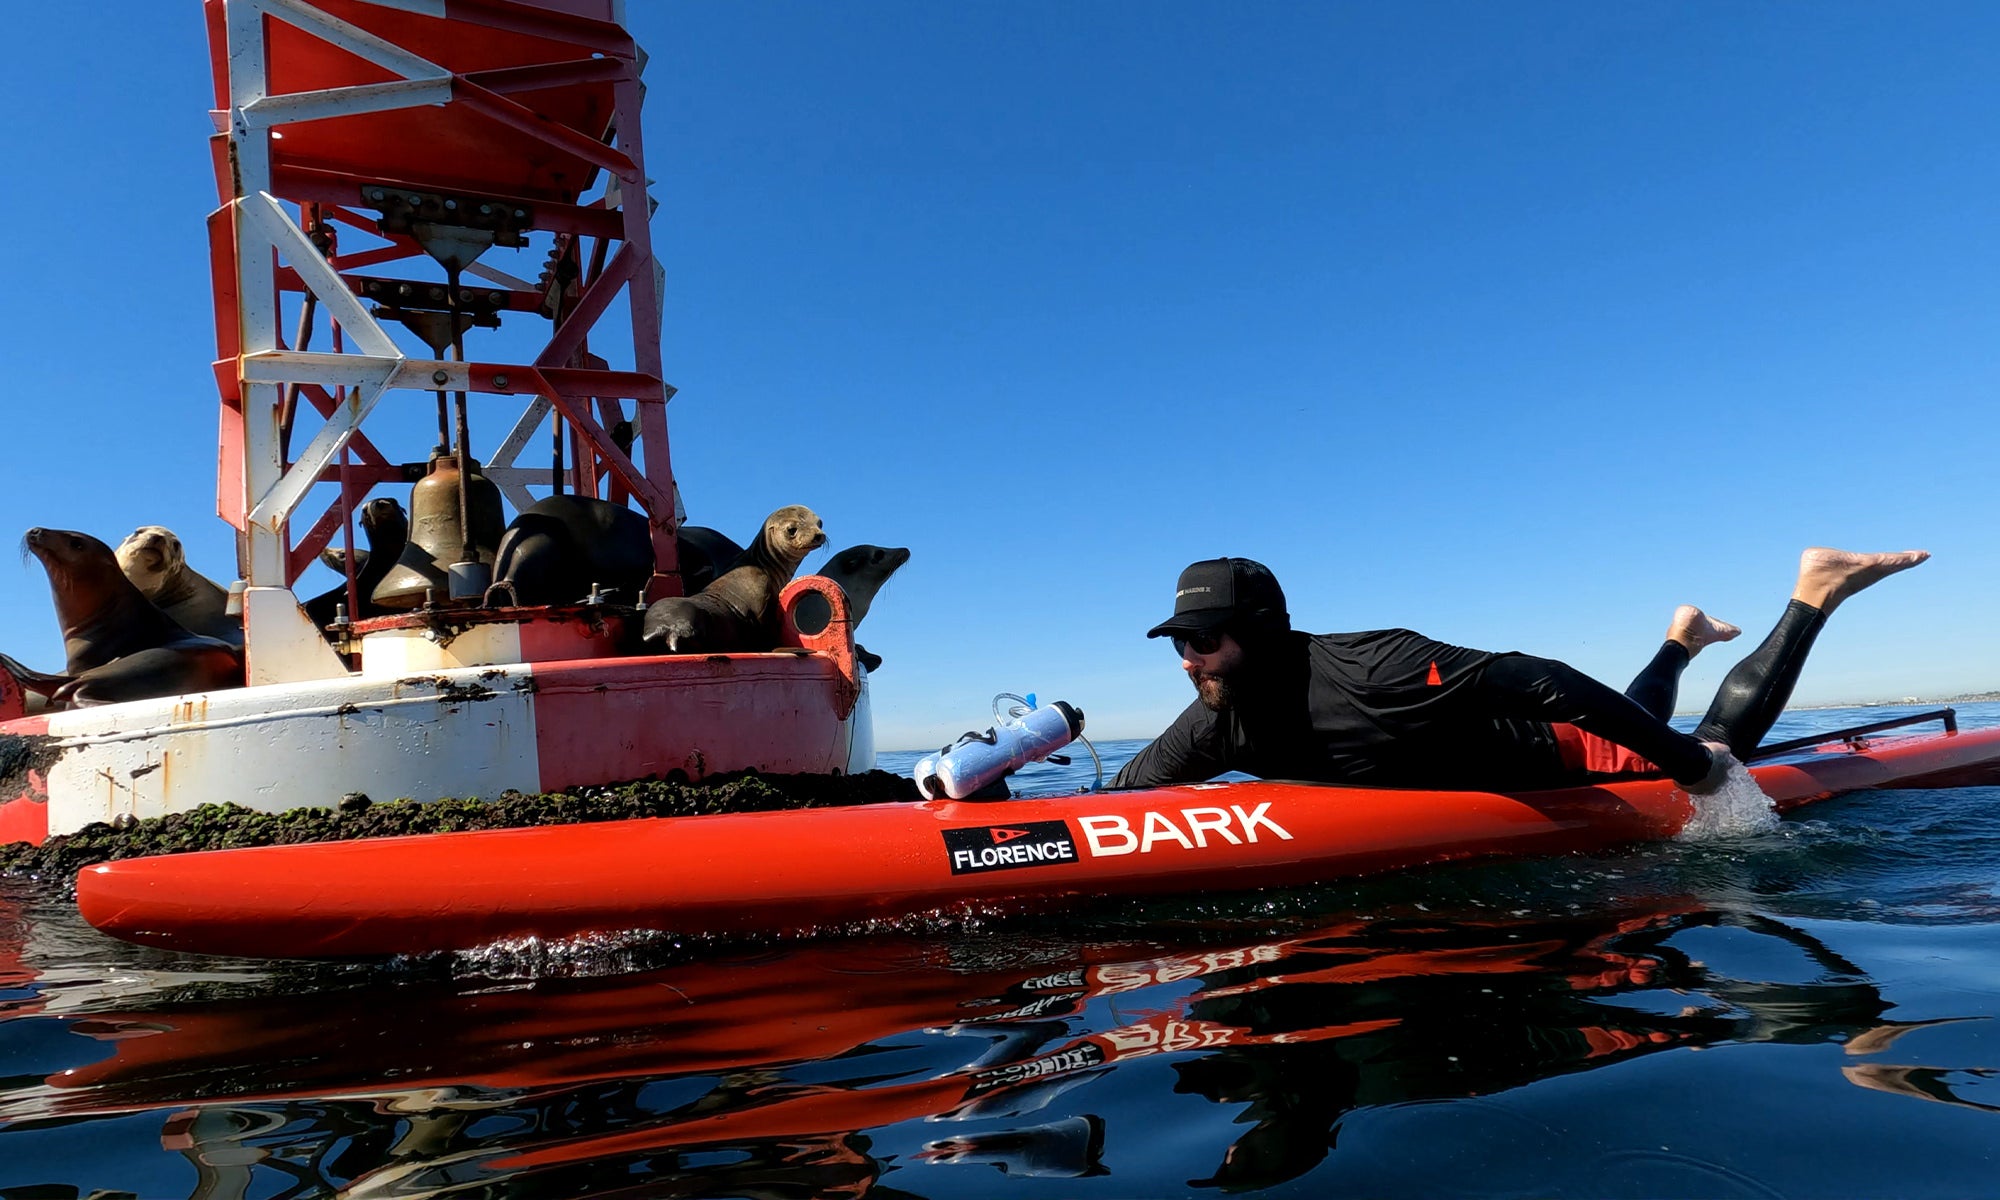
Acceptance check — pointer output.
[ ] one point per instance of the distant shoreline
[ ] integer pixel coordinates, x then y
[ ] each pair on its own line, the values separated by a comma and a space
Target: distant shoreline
1904, 702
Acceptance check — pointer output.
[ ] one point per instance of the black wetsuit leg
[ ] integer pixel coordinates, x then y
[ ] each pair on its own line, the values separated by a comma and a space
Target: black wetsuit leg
1658, 687
1755, 690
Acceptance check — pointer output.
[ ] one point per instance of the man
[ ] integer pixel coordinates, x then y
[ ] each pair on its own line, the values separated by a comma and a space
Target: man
1391, 708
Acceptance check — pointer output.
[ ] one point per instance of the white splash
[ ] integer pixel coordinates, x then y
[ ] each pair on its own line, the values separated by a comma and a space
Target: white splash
1736, 809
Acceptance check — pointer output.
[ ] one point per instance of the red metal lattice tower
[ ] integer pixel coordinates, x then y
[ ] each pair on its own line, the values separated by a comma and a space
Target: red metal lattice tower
431, 130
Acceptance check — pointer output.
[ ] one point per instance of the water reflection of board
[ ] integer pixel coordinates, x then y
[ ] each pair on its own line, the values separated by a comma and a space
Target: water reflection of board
815, 867
792, 1039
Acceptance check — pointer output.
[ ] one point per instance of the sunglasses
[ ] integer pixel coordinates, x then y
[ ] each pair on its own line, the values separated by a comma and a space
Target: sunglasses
1199, 643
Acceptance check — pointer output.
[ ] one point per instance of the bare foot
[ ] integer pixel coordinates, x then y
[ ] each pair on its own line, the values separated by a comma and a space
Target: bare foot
1693, 629
1827, 577
1719, 762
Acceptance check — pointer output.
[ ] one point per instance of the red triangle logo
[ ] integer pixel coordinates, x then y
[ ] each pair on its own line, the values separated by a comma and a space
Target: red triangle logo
1434, 680
1002, 836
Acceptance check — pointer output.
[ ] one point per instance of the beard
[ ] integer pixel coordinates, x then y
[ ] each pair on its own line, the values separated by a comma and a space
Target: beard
1214, 691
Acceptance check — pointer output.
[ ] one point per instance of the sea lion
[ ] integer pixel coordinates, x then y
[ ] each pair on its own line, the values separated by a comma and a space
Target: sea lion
153, 559
386, 528
559, 548
860, 571
120, 646
738, 613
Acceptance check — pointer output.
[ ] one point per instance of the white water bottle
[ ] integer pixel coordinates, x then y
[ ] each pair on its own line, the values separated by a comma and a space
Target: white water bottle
976, 760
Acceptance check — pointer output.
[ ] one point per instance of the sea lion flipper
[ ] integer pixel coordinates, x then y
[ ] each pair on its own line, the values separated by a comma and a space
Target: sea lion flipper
32, 680
671, 627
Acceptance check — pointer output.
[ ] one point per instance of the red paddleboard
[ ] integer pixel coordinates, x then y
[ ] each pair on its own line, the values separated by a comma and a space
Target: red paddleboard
806, 868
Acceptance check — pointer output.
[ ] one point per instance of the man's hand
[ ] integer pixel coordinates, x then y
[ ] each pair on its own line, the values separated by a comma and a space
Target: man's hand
1720, 760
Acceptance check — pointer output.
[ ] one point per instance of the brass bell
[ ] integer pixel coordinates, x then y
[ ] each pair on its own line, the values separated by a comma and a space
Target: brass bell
437, 535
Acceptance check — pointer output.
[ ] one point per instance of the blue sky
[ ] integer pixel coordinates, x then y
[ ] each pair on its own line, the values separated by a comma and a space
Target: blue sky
1515, 324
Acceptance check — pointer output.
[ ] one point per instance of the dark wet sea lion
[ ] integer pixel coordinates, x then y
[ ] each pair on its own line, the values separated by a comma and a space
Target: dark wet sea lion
738, 613
860, 571
386, 528
153, 559
120, 646
557, 548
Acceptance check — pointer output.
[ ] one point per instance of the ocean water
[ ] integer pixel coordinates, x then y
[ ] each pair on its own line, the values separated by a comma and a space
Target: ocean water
1810, 1009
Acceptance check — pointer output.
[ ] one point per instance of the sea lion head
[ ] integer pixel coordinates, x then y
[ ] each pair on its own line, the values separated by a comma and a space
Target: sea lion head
861, 571
790, 534
865, 562
151, 558
83, 574
384, 515
67, 554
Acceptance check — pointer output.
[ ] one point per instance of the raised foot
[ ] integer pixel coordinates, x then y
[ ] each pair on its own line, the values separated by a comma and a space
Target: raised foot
1695, 629
1827, 577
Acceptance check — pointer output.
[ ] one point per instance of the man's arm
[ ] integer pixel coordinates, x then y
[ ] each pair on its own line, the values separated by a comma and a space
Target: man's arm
1542, 689
1188, 752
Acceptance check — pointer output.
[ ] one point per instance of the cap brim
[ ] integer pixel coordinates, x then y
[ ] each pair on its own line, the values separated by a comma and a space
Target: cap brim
1193, 622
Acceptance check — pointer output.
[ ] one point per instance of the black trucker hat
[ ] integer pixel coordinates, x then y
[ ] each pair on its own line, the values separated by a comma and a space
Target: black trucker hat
1216, 591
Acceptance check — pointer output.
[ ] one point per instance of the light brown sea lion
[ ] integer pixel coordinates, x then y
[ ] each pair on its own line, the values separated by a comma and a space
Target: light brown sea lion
120, 646
860, 571
153, 559
738, 613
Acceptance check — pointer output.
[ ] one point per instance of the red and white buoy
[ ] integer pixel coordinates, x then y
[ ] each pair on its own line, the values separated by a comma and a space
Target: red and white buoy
369, 152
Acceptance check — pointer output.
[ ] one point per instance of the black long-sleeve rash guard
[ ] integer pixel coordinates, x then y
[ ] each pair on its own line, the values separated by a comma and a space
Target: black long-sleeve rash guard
1392, 708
